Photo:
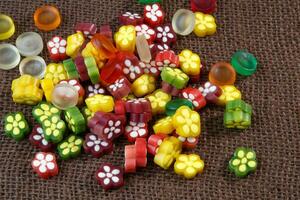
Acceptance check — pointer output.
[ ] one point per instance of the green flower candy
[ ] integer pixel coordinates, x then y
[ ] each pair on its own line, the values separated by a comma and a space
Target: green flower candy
70, 147
54, 129
16, 126
76, 121
43, 111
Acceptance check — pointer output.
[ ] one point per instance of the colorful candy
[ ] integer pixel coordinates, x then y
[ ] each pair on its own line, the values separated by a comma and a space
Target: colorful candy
183, 22
29, 44
88, 29
57, 48
64, 96
222, 73
143, 85
188, 165
154, 141
120, 89
194, 96
92, 69
7, 27
74, 43
158, 100
166, 58
153, 15
44, 164
43, 111
109, 176
174, 104
229, 93
174, 77
48, 87
55, 72
99, 102
47, 18
38, 140
96, 146
136, 130
164, 126
16, 126
10, 56
205, 24
148, 32
205, 6
70, 147
244, 63
190, 62
165, 35
125, 38
34, 66
54, 129
75, 120
210, 91
129, 18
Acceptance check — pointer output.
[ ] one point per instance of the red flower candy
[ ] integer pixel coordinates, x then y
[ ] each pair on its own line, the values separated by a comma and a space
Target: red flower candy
210, 91
139, 105
120, 88
38, 140
81, 68
189, 142
96, 146
88, 29
131, 69
148, 32
153, 15
136, 130
120, 107
57, 48
194, 96
156, 48
205, 6
94, 89
141, 152
144, 117
129, 18
153, 143
166, 59
44, 164
165, 35
109, 176
150, 68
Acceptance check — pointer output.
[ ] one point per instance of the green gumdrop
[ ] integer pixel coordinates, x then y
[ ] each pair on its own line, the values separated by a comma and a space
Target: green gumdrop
244, 63
173, 105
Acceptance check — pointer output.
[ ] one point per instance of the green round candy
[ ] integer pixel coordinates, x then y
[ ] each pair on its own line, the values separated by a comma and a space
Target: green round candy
173, 105
244, 63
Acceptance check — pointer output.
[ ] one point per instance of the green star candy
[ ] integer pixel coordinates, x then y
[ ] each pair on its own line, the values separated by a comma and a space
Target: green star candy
70, 147
16, 126
237, 114
76, 121
149, 1
243, 162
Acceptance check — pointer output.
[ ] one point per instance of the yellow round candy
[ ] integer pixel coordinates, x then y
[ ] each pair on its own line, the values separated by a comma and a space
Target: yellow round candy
7, 27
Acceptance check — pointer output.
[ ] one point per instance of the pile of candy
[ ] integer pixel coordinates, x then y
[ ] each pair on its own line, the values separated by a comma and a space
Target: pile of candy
120, 96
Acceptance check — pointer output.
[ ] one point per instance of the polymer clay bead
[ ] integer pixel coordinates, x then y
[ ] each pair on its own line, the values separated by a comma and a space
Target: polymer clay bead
148, 32
54, 129
210, 91
150, 68
125, 38
92, 69
7, 27
96, 146
222, 73
183, 22
120, 88
194, 96
47, 86
129, 18
75, 120
190, 62
64, 96
205, 6
76, 84
153, 143
165, 35
166, 58
143, 48
153, 15
143, 85
163, 126
34, 66
174, 77
174, 104
158, 100
47, 18
244, 63
16, 126
229, 93
25, 90
136, 130
188, 165
74, 43
38, 140
70, 147
44, 164
57, 48
243, 162
99, 102
88, 29
29, 44
94, 89
55, 72
205, 24
186, 122
104, 45
10, 56
43, 111
70, 68
237, 114
109, 176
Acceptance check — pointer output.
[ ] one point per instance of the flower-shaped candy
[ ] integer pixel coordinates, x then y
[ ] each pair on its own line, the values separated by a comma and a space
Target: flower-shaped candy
48, 87
38, 140
174, 104
109, 176
154, 141
210, 91
164, 126
205, 24
165, 35
194, 96
55, 72
70, 147
86, 113
74, 43
189, 62
148, 32
44, 164
139, 105
153, 15
131, 69
136, 130
243, 162
76, 121
16, 126
99, 102
43, 111
229, 93
94, 89
76, 84
188, 165
158, 100
57, 48
96, 146
143, 85
150, 68
174, 77
188, 142
120, 88
156, 48
88, 29
186, 122
129, 18
125, 38
166, 58
54, 128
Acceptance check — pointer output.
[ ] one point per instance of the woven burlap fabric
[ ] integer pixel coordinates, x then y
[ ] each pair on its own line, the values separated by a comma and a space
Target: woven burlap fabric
267, 28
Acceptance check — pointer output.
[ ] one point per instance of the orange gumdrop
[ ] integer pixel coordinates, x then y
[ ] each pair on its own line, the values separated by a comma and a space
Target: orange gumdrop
222, 73
47, 18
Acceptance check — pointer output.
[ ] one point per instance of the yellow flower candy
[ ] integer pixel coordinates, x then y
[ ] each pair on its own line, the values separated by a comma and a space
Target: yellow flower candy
188, 165
56, 72
158, 100
190, 62
47, 86
164, 126
205, 24
125, 38
229, 93
99, 102
90, 50
143, 85
74, 42
186, 122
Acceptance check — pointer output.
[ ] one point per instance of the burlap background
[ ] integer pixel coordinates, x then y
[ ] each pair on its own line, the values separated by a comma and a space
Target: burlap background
267, 28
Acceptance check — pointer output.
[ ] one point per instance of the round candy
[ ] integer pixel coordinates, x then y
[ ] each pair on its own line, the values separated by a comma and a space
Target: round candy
183, 22
244, 63
64, 96
222, 73
7, 27
10, 56
29, 44
47, 18
34, 66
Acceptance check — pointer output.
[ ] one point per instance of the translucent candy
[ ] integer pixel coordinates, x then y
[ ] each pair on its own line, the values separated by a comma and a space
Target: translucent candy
64, 96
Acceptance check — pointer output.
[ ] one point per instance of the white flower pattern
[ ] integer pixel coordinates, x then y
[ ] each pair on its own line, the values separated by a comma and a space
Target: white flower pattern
95, 89
44, 162
164, 33
57, 45
117, 85
191, 98
40, 136
207, 88
144, 30
149, 68
109, 175
136, 129
130, 70
188, 139
96, 143
131, 15
113, 128
153, 12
